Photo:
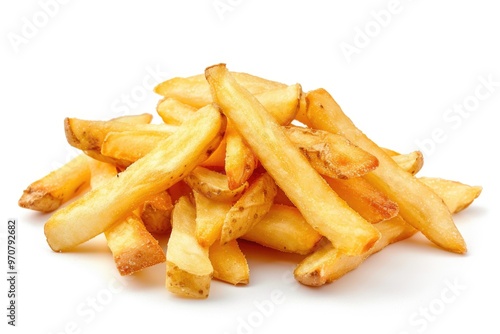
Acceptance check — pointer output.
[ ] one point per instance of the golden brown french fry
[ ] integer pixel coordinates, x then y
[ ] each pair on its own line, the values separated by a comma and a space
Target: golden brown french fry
328, 263
133, 247
156, 212
318, 203
283, 103
368, 201
456, 195
195, 91
412, 162
284, 228
90, 134
189, 270
173, 111
131, 145
240, 159
249, 209
100, 172
145, 118
56, 188
229, 263
210, 215
418, 204
331, 154
158, 170
213, 184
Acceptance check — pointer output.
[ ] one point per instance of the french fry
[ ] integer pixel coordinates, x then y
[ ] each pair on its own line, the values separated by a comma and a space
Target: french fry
56, 188
173, 111
144, 118
418, 204
131, 145
157, 171
318, 203
156, 212
210, 215
132, 246
229, 263
456, 195
189, 270
249, 209
329, 263
283, 103
240, 160
89, 135
195, 91
284, 228
330, 154
412, 162
368, 201
213, 184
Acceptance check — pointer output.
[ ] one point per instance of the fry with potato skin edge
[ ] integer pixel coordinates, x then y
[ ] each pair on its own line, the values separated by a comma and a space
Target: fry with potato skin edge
418, 204
164, 166
321, 208
56, 188
188, 267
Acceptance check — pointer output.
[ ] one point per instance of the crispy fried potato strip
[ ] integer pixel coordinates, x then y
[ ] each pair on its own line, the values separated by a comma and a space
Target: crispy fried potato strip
157, 171
418, 204
56, 188
318, 203
189, 270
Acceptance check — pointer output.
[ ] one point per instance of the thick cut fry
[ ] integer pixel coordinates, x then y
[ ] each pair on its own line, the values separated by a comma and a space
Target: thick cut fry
98, 209
240, 159
418, 204
330, 154
282, 103
249, 209
229, 263
412, 162
135, 119
283, 228
213, 184
328, 263
131, 145
368, 201
195, 91
173, 111
189, 271
133, 247
456, 195
210, 215
156, 212
89, 135
56, 188
318, 203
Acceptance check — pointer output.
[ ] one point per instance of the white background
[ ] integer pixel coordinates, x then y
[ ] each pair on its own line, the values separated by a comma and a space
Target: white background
86, 57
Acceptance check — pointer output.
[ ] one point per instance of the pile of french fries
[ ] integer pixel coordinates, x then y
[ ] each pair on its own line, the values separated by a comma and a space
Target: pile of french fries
240, 157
